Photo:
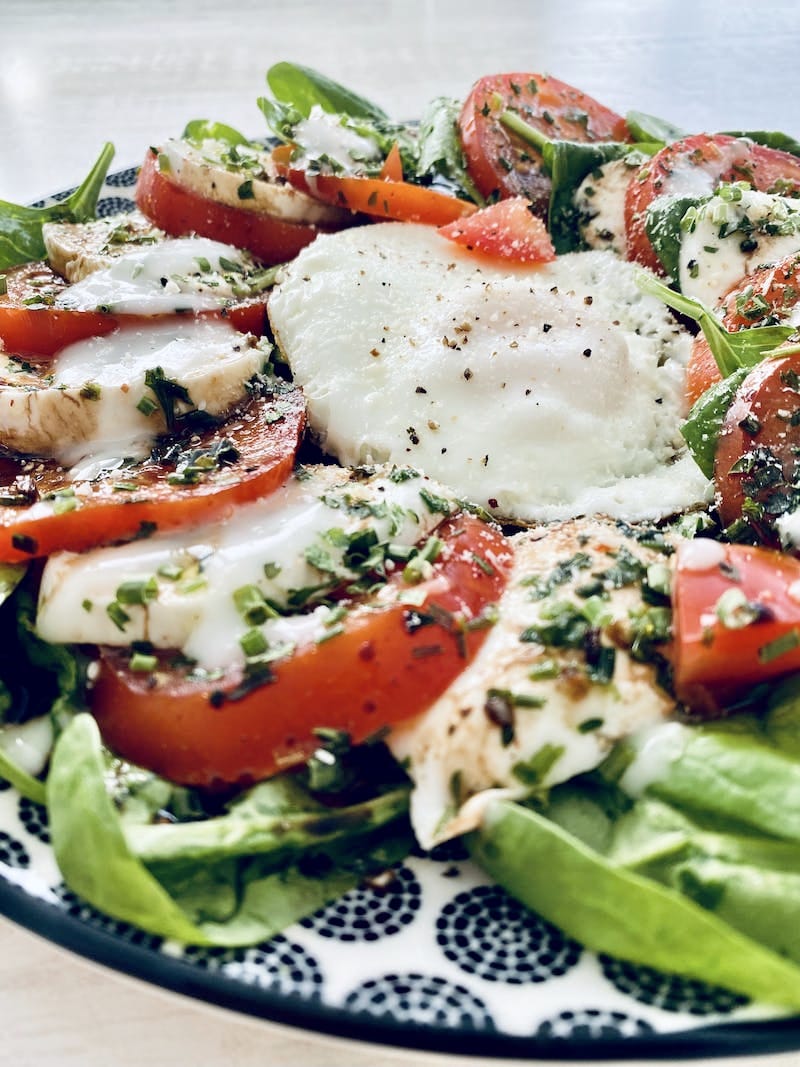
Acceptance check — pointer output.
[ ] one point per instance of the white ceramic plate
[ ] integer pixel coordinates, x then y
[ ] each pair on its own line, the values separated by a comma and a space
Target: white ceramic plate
439, 959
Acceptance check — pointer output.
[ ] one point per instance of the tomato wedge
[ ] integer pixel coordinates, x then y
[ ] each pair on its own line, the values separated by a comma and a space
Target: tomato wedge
736, 620
755, 470
684, 166
180, 211
507, 230
500, 162
380, 198
40, 330
42, 511
385, 666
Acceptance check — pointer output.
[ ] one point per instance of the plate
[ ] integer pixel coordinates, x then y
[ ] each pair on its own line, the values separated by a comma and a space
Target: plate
435, 957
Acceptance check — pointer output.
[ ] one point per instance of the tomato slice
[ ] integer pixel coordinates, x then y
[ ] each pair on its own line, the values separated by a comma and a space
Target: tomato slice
42, 511
180, 211
736, 620
382, 668
39, 330
755, 469
507, 230
674, 171
500, 162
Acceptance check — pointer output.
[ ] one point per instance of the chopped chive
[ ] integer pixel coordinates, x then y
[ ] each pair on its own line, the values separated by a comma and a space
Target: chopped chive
253, 643
137, 591
118, 615
142, 663
147, 406
779, 647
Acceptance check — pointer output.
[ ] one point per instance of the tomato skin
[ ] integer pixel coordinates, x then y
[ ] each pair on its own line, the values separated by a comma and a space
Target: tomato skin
39, 333
105, 514
379, 671
500, 162
715, 664
506, 230
180, 212
722, 157
768, 404
701, 371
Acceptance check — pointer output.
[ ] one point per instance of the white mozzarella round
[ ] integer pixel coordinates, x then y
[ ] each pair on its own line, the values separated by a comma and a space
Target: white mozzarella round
537, 392
292, 540
600, 202
91, 403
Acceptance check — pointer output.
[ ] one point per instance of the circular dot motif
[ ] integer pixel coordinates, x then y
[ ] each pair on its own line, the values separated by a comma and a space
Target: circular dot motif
113, 205
425, 1000
123, 178
279, 965
372, 911
592, 1024
33, 817
488, 933
4, 785
12, 852
85, 913
670, 992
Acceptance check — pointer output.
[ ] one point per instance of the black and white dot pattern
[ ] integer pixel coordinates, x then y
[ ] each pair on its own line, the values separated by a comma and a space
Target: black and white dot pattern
425, 1000
123, 179
12, 852
669, 992
33, 817
489, 934
371, 912
113, 205
279, 965
79, 909
592, 1024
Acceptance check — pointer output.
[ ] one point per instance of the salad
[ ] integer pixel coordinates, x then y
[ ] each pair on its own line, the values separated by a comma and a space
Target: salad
375, 484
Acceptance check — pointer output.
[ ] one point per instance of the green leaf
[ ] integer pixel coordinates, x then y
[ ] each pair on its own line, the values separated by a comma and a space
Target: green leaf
24, 783
782, 721
731, 350
703, 425
11, 574
646, 127
769, 138
21, 227
441, 157
199, 130
663, 227
303, 88
613, 910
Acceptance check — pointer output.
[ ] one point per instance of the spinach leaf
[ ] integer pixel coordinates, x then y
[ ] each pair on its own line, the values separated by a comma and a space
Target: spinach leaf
21, 227
303, 88
441, 158
663, 227
11, 574
199, 130
703, 424
235, 879
612, 909
770, 138
646, 127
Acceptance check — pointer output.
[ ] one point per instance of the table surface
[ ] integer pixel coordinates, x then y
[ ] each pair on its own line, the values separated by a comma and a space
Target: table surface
73, 76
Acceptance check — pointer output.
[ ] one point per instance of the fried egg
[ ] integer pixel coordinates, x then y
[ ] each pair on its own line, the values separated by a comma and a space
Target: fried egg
537, 392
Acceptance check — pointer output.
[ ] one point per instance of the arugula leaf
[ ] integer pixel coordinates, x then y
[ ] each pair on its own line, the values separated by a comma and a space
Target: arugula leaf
21, 227
731, 350
303, 88
441, 157
646, 127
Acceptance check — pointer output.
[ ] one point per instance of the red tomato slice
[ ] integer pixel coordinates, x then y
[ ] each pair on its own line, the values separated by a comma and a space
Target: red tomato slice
265, 433
507, 230
179, 211
674, 169
380, 198
757, 452
736, 620
502, 163
40, 330
384, 667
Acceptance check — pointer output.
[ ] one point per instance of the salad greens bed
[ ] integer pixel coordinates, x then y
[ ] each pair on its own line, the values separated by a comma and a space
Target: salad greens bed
698, 873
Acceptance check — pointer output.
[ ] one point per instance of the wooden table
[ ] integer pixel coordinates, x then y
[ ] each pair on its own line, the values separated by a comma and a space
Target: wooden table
73, 76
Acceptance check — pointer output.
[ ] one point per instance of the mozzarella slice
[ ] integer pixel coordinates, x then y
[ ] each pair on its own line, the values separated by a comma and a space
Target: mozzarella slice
293, 540
77, 249
245, 178
537, 392
730, 235
519, 701
600, 202
95, 398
